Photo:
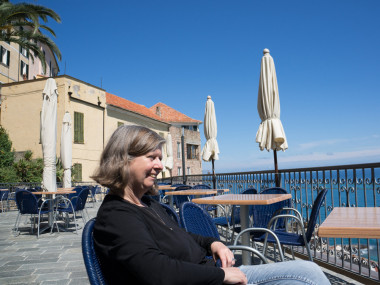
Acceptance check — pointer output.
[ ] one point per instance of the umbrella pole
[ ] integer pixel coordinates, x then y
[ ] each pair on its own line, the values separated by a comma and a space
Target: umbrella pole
276, 175
213, 174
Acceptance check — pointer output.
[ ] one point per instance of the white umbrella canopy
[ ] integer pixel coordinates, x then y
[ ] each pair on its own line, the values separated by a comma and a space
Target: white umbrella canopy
49, 134
271, 134
66, 149
211, 149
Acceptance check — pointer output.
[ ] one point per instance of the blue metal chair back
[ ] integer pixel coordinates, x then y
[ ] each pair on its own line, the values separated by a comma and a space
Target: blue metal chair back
250, 191
177, 185
179, 199
263, 213
314, 213
201, 186
94, 271
171, 212
4, 195
196, 220
26, 202
80, 202
4, 199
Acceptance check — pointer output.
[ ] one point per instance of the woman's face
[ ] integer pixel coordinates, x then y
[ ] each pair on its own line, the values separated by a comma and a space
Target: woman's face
144, 170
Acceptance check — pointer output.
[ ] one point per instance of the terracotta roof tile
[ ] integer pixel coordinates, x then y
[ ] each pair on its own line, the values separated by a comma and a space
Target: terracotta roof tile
172, 116
130, 106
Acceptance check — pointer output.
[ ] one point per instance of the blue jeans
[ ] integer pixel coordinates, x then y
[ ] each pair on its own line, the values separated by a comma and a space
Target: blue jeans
288, 272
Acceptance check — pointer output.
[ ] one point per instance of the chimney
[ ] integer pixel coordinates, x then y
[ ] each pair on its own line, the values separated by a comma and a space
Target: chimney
158, 111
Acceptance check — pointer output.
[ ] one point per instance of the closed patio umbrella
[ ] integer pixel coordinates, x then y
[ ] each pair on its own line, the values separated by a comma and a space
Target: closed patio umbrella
211, 149
271, 134
66, 149
49, 134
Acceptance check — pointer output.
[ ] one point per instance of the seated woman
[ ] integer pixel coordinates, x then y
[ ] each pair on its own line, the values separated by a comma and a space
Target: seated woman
138, 243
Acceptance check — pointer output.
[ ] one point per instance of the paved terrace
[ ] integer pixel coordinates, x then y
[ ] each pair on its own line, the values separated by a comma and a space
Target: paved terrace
55, 258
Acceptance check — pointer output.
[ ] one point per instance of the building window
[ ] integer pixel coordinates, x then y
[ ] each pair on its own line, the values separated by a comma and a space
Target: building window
178, 150
24, 51
78, 127
77, 172
24, 70
188, 171
179, 171
192, 151
5, 56
120, 124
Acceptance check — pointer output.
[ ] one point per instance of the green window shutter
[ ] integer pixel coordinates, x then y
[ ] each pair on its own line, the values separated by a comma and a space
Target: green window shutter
8, 57
77, 169
75, 127
78, 127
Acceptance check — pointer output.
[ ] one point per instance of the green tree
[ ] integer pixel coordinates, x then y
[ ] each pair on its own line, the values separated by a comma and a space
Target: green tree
21, 23
28, 169
7, 172
6, 155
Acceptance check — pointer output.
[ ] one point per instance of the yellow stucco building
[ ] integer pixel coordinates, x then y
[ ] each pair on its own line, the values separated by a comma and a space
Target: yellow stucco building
95, 114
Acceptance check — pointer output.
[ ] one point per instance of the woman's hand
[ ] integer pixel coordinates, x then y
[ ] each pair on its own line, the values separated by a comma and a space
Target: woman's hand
219, 250
234, 275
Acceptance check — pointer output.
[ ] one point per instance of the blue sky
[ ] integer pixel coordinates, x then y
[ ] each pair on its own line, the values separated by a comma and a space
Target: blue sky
177, 52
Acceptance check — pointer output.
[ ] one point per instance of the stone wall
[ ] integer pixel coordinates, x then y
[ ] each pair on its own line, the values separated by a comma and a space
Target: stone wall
192, 138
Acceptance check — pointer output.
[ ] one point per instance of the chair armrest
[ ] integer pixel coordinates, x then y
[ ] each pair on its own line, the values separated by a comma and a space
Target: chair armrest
248, 248
296, 212
267, 231
43, 203
67, 202
298, 221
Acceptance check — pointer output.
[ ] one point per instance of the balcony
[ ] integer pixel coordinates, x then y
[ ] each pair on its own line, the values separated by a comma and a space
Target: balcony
348, 186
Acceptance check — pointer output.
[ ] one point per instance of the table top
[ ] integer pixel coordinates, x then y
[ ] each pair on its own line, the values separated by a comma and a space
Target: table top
347, 222
166, 187
243, 199
193, 192
3, 189
54, 192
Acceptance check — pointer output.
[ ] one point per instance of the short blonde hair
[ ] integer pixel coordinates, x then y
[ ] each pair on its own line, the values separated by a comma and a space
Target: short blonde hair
126, 143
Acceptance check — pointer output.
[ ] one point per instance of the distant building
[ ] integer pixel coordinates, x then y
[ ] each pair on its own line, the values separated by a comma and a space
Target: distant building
190, 127
17, 65
95, 115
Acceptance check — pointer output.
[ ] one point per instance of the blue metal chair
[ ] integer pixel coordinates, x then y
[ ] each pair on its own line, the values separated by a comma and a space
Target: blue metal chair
232, 219
94, 190
201, 186
196, 220
263, 213
299, 238
74, 205
93, 268
27, 204
179, 199
204, 186
4, 200
171, 212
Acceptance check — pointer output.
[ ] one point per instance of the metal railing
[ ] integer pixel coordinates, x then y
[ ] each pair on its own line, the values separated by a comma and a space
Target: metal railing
349, 186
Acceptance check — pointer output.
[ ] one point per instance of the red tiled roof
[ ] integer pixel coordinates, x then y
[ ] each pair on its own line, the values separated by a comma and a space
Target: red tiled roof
170, 115
130, 106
